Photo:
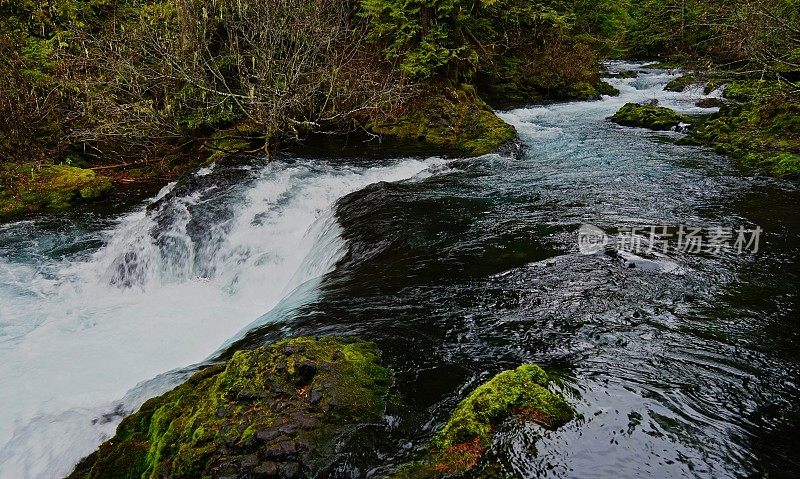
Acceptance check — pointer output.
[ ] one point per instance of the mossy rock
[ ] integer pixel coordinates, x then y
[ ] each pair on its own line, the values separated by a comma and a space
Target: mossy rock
710, 103
627, 74
653, 117
453, 121
590, 91
29, 188
271, 412
605, 88
681, 83
462, 442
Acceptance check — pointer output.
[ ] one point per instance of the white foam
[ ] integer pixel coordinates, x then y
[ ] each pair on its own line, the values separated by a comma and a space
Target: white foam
76, 335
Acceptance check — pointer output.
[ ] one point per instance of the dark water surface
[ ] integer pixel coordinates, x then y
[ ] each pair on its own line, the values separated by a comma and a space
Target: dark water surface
679, 364
683, 366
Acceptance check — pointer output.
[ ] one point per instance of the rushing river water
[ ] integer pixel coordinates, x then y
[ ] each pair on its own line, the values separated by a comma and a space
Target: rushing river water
680, 364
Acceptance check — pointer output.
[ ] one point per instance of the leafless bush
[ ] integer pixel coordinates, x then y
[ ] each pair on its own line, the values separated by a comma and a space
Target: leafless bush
283, 67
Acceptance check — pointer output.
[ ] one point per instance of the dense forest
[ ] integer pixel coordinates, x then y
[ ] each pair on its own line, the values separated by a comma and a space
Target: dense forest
143, 87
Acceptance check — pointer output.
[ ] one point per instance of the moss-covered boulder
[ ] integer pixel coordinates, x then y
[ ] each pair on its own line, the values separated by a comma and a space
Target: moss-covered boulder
625, 74
460, 444
681, 83
33, 187
453, 121
271, 412
605, 88
653, 117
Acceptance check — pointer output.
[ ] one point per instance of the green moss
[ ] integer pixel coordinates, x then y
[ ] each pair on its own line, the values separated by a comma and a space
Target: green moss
454, 121
274, 406
760, 127
605, 88
460, 444
32, 187
628, 74
682, 83
750, 90
521, 388
648, 116
585, 90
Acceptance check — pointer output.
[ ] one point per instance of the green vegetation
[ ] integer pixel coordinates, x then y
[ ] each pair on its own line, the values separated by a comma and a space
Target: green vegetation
273, 410
29, 187
460, 444
759, 125
455, 120
648, 116
164, 85
157, 86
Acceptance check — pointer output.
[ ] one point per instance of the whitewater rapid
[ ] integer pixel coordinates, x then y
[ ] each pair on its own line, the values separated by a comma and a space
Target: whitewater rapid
86, 336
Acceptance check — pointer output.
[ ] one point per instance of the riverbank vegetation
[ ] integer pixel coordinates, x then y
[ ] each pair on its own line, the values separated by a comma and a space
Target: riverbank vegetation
142, 87
153, 87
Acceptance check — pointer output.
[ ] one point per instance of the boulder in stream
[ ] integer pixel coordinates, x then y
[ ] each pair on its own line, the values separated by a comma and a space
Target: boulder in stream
649, 116
459, 446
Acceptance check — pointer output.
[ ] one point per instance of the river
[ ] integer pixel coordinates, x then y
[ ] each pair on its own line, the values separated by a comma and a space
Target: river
680, 363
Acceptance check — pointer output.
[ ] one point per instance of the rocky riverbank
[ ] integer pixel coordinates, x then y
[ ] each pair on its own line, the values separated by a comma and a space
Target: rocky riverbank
758, 123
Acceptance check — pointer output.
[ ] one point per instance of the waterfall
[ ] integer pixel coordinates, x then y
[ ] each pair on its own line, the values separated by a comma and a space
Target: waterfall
206, 259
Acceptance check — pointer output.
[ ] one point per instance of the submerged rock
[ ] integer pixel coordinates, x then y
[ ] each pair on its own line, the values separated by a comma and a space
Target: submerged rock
271, 412
649, 116
462, 442
455, 120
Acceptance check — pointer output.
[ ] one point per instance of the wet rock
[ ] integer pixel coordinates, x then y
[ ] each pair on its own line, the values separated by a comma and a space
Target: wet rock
280, 450
305, 372
249, 462
652, 117
290, 470
710, 103
459, 446
248, 418
265, 435
266, 470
